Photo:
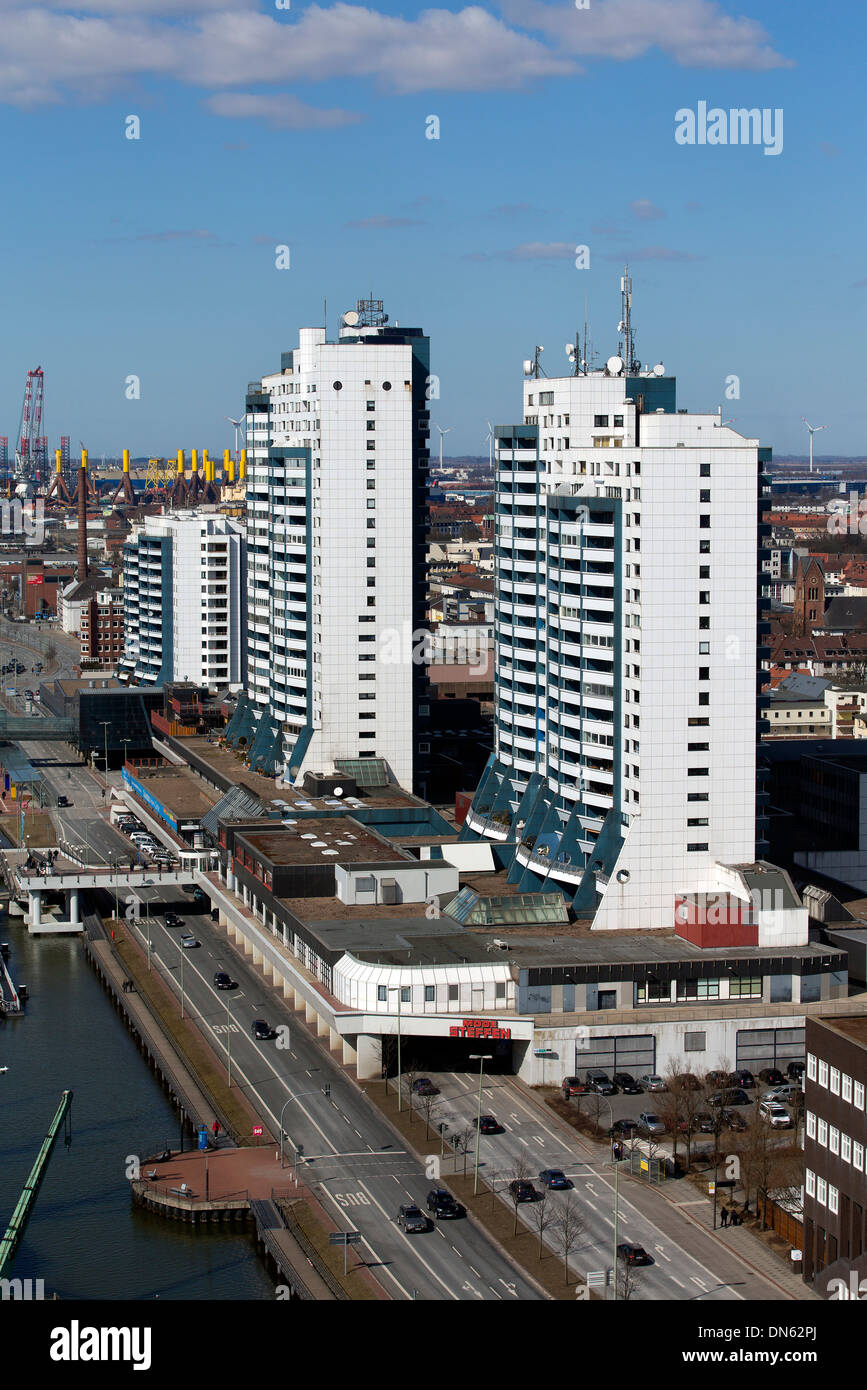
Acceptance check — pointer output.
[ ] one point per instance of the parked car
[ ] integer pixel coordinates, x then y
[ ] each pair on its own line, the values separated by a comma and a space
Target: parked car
742, 1078
488, 1124
600, 1082
652, 1082
188, 941
423, 1086
650, 1123
795, 1071
687, 1081
623, 1129
573, 1086
412, 1219
627, 1083
554, 1179
224, 981
786, 1094
522, 1191
736, 1097
633, 1254
260, 1029
732, 1120
777, 1116
717, 1078
443, 1204
703, 1123
173, 920
771, 1076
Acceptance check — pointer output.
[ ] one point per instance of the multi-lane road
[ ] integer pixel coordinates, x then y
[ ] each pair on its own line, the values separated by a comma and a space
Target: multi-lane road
348, 1152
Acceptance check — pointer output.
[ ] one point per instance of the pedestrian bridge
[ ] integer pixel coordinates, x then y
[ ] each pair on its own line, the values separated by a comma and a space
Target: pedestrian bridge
64, 875
14, 727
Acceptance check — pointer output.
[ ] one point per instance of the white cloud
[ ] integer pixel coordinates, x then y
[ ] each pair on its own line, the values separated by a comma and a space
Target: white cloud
645, 210
281, 112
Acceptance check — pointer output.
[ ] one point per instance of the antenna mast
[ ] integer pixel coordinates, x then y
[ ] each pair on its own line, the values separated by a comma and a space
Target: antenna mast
626, 317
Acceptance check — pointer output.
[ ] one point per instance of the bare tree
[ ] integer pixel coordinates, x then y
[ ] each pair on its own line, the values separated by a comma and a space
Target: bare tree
518, 1173
427, 1104
410, 1071
544, 1216
628, 1278
461, 1142
569, 1229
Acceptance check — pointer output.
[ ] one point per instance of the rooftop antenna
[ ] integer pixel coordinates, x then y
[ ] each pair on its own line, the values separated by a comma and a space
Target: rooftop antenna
814, 429
625, 325
538, 369
586, 363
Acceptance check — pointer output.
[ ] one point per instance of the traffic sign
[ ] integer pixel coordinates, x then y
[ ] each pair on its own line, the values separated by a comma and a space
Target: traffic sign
257, 1130
344, 1238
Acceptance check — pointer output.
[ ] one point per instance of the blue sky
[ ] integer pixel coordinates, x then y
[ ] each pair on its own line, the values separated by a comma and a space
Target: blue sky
306, 126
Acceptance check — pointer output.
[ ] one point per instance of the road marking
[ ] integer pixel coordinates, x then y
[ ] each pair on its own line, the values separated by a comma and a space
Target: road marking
537, 1140
662, 1253
702, 1285
676, 1281
475, 1271
523, 1141
451, 1293
510, 1288
468, 1286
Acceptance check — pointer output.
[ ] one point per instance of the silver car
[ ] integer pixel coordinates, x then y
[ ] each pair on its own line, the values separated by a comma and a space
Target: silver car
412, 1219
649, 1123
652, 1082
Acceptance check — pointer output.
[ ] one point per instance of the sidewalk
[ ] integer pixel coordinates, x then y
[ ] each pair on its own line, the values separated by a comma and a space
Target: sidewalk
737, 1256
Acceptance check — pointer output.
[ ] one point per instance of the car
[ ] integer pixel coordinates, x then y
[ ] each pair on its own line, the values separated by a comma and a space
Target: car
687, 1081
63, 801
623, 1129
573, 1086
652, 1082
771, 1076
600, 1082
443, 1204
29, 695
198, 896
423, 1086
743, 1078
522, 1190
633, 1254
784, 1095
702, 1123
173, 920
554, 1179
717, 1078
260, 1029
777, 1116
412, 1219
732, 1120
488, 1124
795, 1071
224, 981
736, 1097
650, 1123
627, 1083
188, 941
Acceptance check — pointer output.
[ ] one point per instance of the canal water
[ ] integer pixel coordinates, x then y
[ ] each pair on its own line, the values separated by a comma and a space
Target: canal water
85, 1238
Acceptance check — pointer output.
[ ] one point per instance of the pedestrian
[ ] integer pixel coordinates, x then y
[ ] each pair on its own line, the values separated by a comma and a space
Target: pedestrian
724, 1217
736, 1218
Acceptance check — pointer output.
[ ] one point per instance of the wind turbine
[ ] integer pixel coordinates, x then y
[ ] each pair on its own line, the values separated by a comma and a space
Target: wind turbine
814, 429
237, 424
442, 432
489, 440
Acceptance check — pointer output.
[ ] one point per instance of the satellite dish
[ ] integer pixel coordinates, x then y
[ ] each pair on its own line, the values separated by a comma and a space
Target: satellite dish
614, 365
338, 791
659, 370
570, 350
350, 318
528, 367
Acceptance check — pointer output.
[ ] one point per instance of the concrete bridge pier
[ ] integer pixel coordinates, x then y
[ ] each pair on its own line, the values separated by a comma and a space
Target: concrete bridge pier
34, 908
73, 906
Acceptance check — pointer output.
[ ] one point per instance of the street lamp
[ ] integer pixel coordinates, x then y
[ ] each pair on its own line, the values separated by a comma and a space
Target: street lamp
399, 989
323, 1090
481, 1058
106, 724
616, 1193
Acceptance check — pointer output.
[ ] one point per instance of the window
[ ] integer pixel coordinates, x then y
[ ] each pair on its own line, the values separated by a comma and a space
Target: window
704, 673
704, 596
858, 1095
810, 1182
846, 1083
704, 470
500, 989
704, 495
834, 1139
846, 1148
745, 987
704, 521
823, 1074
704, 697
697, 772
822, 1133
382, 994
821, 1191
811, 1067
699, 820
811, 1125
429, 994
454, 990
618, 422
704, 547
833, 1199
704, 571
835, 1081
857, 1155
697, 796
703, 647
599, 421
405, 994
545, 398
697, 989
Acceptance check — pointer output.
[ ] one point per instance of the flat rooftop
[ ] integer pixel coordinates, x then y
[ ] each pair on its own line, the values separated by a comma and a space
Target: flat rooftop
854, 1028
337, 840
178, 789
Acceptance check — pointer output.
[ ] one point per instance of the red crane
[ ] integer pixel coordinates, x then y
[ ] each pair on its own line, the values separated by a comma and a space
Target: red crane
30, 429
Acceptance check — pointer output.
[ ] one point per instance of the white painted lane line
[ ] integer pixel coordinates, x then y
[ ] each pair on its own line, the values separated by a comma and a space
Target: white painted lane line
676, 1281
475, 1271
662, 1253
414, 1248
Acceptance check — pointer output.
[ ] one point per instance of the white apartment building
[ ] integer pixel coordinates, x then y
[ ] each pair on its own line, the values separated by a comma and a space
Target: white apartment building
627, 584
184, 591
337, 455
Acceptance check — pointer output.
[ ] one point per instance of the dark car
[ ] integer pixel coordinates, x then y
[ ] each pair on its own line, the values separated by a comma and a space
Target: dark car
423, 1086
687, 1081
554, 1179
742, 1078
737, 1097
600, 1082
443, 1204
198, 896
63, 801
633, 1254
732, 1120
717, 1078
522, 1191
224, 981
703, 1123
573, 1086
795, 1071
412, 1219
623, 1129
173, 920
771, 1076
487, 1124
260, 1029
627, 1083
